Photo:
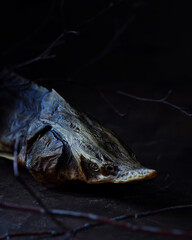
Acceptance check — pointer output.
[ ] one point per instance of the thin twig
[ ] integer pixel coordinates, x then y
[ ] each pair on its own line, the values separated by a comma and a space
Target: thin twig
26, 234
161, 100
50, 233
15, 161
23, 64
33, 32
112, 106
42, 56
133, 215
33, 60
29, 190
102, 12
47, 51
111, 222
146, 99
107, 49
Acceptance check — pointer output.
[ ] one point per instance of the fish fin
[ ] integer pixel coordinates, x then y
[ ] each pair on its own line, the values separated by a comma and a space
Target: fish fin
7, 155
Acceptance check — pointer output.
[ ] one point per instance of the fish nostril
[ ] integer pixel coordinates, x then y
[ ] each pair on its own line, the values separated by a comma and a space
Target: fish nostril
109, 168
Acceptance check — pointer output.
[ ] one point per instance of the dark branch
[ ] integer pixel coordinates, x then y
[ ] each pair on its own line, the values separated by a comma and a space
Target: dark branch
111, 222
44, 208
15, 162
161, 100
27, 234
43, 56
112, 106
50, 47
134, 215
108, 48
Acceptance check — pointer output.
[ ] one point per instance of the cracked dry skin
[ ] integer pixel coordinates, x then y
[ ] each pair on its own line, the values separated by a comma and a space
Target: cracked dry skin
58, 143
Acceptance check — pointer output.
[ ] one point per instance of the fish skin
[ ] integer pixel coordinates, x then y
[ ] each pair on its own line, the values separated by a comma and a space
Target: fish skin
59, 143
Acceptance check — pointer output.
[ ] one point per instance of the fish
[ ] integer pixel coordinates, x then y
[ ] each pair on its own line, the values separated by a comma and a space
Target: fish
57, 142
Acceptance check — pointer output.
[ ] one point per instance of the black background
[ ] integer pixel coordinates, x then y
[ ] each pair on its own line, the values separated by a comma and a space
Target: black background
154, 47
140, 47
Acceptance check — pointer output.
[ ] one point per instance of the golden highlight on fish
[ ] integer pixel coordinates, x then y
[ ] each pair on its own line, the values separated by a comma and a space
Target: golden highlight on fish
57, 143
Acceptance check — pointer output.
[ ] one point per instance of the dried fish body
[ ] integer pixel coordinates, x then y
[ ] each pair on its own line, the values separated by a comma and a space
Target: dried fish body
58, 143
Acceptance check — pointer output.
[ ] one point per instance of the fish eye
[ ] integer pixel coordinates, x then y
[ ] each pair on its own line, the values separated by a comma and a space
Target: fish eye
94, 167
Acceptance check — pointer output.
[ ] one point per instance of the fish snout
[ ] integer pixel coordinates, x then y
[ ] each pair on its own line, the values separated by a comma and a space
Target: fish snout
135, 175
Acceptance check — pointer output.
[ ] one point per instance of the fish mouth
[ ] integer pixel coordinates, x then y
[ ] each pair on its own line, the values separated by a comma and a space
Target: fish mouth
126, 176
135, 175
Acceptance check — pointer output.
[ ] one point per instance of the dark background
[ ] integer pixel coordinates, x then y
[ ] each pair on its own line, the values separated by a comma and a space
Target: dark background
140, 47
119, 41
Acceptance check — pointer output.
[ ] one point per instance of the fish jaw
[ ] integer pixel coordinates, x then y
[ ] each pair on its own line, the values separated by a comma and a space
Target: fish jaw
136, 175
131, 176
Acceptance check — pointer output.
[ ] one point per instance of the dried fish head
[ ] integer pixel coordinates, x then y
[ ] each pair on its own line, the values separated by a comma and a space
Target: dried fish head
97, 154
103, 157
